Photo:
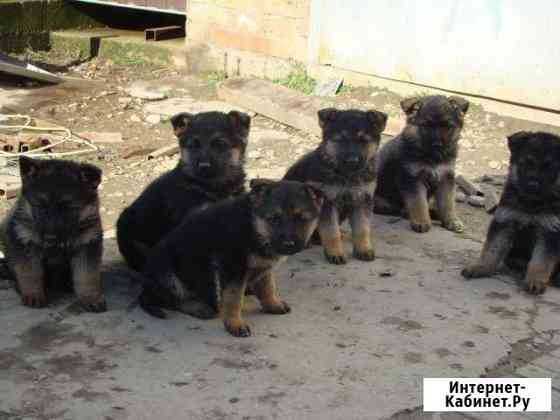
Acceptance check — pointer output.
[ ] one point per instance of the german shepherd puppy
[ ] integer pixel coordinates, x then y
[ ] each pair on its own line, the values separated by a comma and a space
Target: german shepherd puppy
210, 169
343, 167
526, 224
420, 163
53, 237
244, 238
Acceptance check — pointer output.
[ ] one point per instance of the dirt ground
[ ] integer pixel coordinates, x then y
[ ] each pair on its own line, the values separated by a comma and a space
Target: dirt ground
100, 103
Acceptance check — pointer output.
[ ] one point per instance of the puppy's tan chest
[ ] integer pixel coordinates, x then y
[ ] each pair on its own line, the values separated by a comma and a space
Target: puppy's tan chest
431, 172
258, 266
348, 193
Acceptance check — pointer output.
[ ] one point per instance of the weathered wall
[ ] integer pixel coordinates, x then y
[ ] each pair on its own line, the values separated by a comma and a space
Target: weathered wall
255, 33
502, 49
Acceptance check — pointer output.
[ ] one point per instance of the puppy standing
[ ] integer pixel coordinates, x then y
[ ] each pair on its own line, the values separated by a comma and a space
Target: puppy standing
526, 224
53, 237
420, 163
343, 167
211, 168
245, 238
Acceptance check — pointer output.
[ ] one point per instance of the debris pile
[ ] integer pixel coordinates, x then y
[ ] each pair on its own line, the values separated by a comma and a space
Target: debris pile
481, 194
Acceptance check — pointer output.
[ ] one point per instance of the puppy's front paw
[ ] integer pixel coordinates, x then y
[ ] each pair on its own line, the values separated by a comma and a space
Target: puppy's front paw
335, 259
476, 271
365, 255
420, 227
277, 308
536, 286
454, 225
34, 299
237, 328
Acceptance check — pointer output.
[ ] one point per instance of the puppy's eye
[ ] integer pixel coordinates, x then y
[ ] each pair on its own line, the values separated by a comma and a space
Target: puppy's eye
219, 144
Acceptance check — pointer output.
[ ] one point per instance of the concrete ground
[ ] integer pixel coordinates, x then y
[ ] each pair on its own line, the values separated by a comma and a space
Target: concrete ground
359, 340
357, 344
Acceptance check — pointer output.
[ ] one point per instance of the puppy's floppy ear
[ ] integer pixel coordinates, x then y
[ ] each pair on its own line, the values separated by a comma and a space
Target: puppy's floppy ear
411, 106
28, 167
180, 122
378, 118
90, 175
316, 194
461, 103
326, 115
516, 140
241, 122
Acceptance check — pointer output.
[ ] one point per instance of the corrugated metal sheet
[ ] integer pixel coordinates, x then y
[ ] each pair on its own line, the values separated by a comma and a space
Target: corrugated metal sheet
167, 6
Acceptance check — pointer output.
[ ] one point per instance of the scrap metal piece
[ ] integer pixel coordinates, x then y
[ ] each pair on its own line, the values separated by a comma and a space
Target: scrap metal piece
15, 67
165, 32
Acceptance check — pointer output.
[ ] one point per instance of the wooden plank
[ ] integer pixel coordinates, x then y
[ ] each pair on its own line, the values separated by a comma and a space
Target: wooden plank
284, 105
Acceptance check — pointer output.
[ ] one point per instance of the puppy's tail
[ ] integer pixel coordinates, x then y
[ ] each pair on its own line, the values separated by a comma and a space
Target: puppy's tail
146, 303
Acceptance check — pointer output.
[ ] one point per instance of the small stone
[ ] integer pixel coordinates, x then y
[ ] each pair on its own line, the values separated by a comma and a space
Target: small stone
341, 345
143, 90
469, 344
337, 308
460, 197
386, 273
153, 119
476, 201
234, 400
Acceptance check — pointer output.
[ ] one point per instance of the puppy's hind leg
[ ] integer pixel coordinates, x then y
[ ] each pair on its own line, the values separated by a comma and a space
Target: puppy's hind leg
543, 262
383, 206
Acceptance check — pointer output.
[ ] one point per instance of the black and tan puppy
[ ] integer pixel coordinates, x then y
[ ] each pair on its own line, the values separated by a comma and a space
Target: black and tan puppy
343, 167
419, 163
210, 169
53, 237
526, 224
244, 238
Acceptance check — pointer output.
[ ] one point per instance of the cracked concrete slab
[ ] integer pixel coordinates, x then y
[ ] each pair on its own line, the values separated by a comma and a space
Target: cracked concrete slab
357, 344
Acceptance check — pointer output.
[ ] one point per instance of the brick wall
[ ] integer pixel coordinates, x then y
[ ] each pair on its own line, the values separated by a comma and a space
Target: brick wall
271, 28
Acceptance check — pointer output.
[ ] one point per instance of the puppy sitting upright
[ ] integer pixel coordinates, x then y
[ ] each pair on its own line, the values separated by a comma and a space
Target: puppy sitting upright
526, 224
343, 167
245, 238
52, 236
420, 163
211, 168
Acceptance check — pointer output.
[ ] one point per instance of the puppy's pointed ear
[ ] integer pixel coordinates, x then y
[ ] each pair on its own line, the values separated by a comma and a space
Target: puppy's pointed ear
241, 122
326, 116
410, 106
28, 168
260, 188
516, 140
90, 175
378, 118
316, 194
460, 103
180, 122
